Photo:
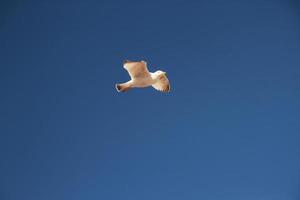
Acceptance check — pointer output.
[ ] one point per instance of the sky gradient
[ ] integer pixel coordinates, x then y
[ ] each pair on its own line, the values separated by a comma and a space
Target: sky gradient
228, 130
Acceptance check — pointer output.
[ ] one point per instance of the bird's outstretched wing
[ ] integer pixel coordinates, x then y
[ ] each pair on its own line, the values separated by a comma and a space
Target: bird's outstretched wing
136, 69
163, 84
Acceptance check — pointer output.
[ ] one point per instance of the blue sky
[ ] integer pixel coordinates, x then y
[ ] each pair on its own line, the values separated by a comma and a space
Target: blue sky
228, 130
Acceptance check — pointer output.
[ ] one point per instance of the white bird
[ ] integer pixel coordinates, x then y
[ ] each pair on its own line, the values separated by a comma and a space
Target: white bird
141, 77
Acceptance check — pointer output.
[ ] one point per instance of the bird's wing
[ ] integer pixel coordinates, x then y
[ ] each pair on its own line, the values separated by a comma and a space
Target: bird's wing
136, 69
162, 84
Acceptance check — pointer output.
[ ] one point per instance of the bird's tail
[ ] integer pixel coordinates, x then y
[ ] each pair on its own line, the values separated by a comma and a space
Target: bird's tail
123, 87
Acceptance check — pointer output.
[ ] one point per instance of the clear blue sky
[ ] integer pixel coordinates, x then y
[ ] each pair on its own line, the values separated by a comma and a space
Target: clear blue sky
229, 129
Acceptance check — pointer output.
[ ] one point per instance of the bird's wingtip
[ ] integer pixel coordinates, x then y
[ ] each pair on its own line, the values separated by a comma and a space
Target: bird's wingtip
126, 61
118, 87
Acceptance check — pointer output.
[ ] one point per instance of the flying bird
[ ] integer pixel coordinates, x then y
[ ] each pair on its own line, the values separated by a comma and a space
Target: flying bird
141, 77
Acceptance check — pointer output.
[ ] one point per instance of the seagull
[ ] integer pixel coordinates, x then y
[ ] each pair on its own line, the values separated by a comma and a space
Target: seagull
141, 77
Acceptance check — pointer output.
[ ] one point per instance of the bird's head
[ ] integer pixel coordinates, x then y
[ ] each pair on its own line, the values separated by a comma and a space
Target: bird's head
160, 74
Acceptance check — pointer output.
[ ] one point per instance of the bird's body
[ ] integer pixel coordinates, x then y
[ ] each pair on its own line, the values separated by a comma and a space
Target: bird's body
141, 77
144, 81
